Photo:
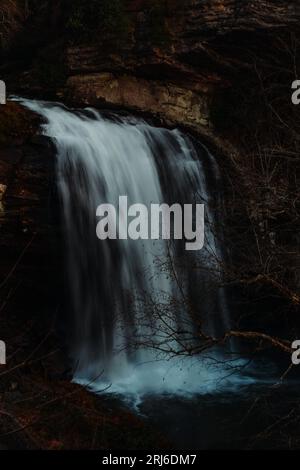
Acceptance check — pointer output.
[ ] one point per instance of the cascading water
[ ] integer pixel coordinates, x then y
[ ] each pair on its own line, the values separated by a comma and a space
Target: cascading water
129, 298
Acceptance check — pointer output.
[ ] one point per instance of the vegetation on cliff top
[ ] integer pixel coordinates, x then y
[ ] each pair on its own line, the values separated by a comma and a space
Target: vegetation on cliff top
106, 17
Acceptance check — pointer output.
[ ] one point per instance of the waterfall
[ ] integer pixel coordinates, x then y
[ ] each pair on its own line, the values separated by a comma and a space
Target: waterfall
130, 300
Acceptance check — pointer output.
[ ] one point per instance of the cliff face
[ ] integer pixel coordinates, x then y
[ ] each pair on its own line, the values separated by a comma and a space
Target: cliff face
170, 58
27, 235
12, 17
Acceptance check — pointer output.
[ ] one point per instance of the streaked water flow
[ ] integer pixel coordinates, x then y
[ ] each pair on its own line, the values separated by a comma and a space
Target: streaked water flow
130, 299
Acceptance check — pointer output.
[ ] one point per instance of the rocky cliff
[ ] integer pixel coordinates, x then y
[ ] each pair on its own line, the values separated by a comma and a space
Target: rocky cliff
169, 58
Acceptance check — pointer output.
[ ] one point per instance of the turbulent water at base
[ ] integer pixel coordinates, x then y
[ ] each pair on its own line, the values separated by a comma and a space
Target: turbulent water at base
136, 305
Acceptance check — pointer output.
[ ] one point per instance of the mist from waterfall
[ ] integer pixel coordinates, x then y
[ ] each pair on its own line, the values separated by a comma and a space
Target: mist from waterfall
136, 305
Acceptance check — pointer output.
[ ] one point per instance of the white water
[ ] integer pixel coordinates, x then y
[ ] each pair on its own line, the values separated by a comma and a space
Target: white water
126, 298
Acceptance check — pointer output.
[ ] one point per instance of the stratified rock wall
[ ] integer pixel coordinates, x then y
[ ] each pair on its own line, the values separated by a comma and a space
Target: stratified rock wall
172, 59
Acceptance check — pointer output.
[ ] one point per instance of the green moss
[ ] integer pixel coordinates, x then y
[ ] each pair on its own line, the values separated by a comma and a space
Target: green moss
78, 23
101, 19
157, 13
115, 20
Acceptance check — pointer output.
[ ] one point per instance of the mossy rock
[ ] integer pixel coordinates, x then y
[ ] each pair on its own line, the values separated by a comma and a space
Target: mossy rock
105, 19
157, 13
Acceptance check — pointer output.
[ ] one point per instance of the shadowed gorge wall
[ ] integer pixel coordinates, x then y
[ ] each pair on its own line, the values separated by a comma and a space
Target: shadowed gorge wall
219, 73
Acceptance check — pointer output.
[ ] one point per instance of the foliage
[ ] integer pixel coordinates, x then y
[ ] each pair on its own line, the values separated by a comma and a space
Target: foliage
105, 17
157, 22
